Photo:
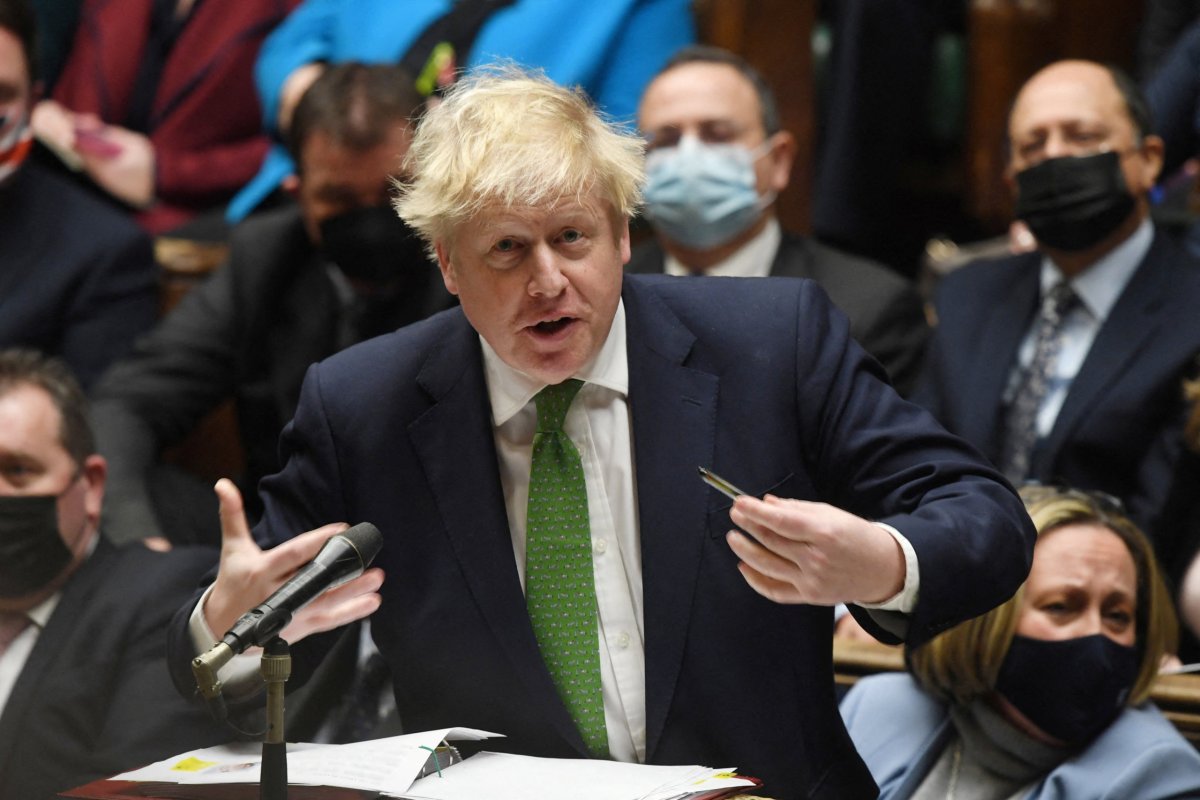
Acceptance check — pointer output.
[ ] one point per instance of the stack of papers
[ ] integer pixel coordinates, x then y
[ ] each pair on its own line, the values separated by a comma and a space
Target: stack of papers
391, 767
501, 776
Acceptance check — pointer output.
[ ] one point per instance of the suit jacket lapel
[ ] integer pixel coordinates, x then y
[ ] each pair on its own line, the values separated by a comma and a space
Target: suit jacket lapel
673, 408
50, 644
1134, 319
455, 442
1000, 338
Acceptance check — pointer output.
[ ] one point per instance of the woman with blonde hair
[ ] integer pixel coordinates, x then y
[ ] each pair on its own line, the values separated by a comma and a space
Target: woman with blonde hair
1047, 694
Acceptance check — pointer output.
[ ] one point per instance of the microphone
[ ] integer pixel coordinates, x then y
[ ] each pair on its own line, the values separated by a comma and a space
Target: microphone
342, 559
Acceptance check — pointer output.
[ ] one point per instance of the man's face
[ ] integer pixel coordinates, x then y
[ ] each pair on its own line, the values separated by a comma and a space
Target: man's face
1074, 108
34, 462
335, 179
14, 75
717, 105
541, 285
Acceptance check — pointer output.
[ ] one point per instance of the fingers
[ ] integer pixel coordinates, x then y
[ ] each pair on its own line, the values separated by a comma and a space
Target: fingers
235, 530
349, 602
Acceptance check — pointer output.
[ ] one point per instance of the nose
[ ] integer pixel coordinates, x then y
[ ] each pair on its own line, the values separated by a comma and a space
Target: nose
1057, 146
546, 278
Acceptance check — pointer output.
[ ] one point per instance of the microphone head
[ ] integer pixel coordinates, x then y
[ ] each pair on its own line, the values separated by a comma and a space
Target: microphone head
366, 539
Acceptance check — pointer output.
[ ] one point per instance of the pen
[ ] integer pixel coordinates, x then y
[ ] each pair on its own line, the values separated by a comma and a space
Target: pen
720, 484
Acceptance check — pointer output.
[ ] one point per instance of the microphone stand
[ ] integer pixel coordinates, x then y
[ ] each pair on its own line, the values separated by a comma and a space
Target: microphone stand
276, 667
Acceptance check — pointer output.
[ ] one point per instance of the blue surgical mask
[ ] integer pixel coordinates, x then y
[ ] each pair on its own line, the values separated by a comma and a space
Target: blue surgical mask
703, 195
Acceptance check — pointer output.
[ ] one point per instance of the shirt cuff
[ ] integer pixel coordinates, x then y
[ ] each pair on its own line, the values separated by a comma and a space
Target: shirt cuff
906, 599
241, 674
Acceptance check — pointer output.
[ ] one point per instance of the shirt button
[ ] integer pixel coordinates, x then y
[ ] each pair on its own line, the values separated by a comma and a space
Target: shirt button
599, 546
623, 641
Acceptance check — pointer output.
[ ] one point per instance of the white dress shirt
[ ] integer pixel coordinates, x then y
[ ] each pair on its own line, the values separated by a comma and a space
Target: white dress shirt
598, 425
751, 260
14, 658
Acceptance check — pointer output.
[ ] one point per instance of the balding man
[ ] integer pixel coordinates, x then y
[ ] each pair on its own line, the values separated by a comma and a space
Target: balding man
1065, 364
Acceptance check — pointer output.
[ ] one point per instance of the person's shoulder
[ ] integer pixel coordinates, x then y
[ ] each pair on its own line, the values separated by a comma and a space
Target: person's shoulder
646, 258
1146, 724
890, 687
1140, 754
81, 216
976, 278
400, 354
829, 262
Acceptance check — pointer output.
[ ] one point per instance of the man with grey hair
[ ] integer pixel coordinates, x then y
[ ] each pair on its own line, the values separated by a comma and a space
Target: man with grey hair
556, 571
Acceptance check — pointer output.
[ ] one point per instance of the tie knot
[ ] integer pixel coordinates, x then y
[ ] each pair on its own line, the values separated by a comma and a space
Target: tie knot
1059, 300
552, 404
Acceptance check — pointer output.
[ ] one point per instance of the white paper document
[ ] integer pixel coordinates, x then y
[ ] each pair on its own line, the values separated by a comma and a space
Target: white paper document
383, 765
502, 776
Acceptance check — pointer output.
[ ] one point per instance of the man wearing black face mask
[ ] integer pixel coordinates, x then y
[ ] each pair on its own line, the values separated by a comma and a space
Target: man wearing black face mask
301, 283
1066, 364
84, 691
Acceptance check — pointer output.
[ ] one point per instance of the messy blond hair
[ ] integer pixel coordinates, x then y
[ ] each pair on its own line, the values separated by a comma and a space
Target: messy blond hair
963, 663
504, 137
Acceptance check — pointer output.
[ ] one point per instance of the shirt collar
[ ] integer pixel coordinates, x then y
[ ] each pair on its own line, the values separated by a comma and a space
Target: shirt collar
1099, 286
510, 390
40, 614
751, 260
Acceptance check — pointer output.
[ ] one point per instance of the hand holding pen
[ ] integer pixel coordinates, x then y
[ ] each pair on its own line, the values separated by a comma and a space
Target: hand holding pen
807, 552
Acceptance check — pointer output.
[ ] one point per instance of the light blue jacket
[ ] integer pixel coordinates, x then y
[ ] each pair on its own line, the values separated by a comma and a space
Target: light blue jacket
900, 730
611, 48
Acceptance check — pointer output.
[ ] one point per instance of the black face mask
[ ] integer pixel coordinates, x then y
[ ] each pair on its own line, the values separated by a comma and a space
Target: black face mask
1073, 202
374, 245
1071, 689
32, 553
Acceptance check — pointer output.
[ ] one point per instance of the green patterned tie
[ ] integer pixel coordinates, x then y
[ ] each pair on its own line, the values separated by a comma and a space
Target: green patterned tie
560, 589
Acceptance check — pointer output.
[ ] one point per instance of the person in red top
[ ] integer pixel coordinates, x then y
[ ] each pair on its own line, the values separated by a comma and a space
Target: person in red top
156, 103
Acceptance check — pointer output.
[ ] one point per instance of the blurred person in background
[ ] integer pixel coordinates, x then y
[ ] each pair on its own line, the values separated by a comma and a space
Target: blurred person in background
156, 106
77, 278
717, 160
84, 687
333, 267
611, 49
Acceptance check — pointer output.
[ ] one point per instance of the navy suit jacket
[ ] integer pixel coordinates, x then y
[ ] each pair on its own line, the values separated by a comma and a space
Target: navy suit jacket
95, 698
886, 314
1120, 427
759, 380
77, 278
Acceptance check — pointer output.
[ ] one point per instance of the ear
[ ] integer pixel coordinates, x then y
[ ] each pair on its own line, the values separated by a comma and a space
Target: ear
291, 185
444, 264
782, 156
623, 242
95, 475
1152, 159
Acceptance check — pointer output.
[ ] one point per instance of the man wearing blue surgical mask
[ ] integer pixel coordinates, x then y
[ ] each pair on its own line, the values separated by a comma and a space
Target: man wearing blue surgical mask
301, 282
717, 159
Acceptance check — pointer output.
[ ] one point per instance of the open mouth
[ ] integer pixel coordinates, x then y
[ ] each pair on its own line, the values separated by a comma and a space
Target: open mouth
553, 326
